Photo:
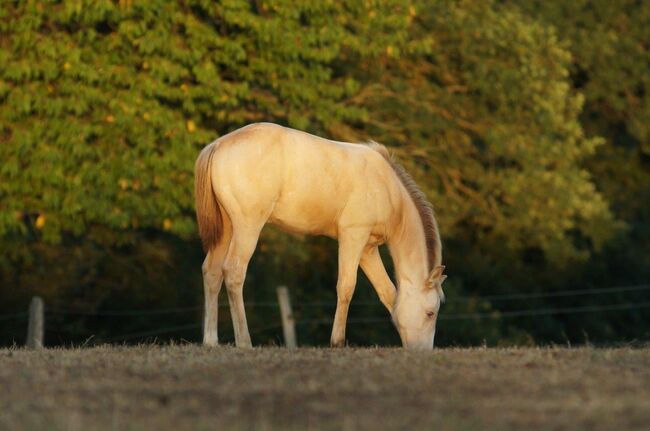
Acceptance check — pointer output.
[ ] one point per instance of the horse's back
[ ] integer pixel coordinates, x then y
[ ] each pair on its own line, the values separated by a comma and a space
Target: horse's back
302, 182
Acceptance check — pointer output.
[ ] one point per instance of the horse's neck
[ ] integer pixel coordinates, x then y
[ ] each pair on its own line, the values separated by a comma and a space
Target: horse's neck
408, 247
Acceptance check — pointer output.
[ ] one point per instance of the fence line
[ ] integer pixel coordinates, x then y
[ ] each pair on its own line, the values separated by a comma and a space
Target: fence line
120, 313
492, 314
559, 293
373, 320
139, 312
500, 297
496, 314
317, 304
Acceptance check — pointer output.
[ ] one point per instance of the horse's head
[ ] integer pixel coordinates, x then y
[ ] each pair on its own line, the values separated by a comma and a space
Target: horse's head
416, 310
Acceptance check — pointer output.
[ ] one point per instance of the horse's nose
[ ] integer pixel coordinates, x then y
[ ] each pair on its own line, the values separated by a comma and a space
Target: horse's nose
416, 343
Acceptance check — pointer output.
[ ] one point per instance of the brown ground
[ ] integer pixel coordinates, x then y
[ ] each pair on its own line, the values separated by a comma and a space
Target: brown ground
191, 387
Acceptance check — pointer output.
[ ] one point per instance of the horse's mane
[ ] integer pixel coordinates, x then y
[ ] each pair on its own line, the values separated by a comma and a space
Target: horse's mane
425, 209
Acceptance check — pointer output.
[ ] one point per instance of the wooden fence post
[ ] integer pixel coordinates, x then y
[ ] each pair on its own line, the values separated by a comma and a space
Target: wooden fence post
35, 325
288, 322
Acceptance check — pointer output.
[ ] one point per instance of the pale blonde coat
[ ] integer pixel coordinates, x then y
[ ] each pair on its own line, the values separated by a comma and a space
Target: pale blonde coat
265, 173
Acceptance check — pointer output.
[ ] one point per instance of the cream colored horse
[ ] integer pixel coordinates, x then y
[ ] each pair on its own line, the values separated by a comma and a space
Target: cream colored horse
265, 173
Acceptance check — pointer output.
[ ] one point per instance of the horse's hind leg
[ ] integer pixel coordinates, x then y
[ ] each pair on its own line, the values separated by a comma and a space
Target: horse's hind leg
212, 281
242, 246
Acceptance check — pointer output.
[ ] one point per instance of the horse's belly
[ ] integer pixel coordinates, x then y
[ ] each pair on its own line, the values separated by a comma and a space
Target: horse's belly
305, 218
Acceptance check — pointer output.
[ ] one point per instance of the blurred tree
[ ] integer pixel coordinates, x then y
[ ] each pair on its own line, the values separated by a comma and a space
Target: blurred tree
610, 65
480, 103
104, 106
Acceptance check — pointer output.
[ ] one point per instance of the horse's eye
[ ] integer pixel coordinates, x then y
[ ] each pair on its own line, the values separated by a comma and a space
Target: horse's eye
430, 313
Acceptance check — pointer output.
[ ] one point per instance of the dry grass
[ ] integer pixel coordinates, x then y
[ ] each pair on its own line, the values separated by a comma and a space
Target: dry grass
191, 387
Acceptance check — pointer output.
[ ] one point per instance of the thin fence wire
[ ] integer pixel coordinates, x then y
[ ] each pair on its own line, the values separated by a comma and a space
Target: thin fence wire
561, 293
171, 329
12, 316
494, 314
317, 304
374, 320
120, 313
546, 311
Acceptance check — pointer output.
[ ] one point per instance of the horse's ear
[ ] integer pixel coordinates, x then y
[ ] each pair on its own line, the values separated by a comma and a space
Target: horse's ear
436, 277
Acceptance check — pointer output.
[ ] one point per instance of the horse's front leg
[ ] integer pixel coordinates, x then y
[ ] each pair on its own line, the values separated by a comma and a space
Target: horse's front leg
242, 246
351, 245
374, 269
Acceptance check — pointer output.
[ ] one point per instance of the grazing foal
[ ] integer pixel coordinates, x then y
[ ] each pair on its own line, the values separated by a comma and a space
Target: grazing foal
265, 173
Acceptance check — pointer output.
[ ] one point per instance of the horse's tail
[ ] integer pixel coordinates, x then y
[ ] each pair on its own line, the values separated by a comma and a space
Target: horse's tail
208, 215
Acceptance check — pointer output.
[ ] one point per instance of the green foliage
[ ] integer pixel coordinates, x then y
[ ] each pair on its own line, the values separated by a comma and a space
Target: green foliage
610, 66
104, 107
611, 62
488, 116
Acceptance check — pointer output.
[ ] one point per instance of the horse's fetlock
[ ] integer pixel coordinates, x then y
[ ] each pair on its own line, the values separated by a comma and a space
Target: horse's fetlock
210, 339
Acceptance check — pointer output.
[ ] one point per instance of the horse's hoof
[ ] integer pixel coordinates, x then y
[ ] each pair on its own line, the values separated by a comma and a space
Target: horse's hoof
337, 343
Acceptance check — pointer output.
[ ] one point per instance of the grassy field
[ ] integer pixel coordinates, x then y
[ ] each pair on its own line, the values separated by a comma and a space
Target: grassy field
192, 387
